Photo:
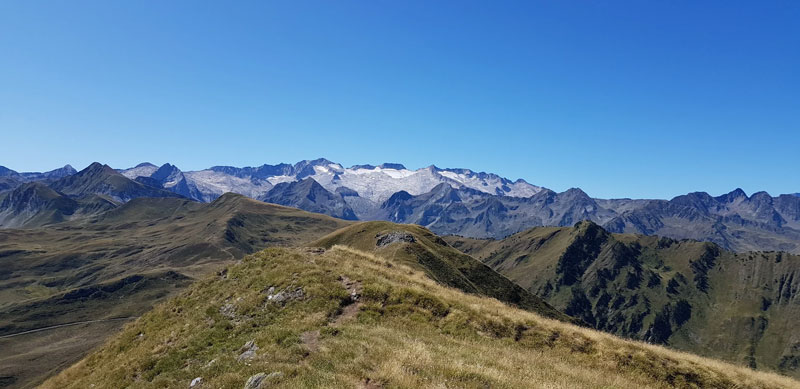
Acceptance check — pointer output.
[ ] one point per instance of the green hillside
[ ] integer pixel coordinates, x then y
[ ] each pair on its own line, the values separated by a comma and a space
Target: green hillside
693, 296
118, 265
345, 318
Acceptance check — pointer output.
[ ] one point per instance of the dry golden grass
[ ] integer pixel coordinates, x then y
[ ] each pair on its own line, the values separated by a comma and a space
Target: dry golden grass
409, 332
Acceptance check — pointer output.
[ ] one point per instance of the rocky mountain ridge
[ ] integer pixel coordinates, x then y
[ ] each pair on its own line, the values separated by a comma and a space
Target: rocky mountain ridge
46, 199
456, 201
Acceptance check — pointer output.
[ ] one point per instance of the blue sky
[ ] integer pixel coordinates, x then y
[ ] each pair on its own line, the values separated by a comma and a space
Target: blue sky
622, 99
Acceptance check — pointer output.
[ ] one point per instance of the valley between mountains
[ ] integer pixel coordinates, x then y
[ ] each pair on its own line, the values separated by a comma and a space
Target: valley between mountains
155, 277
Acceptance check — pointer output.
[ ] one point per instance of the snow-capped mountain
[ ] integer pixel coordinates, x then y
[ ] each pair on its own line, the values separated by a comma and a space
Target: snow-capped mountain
447, 201
145, 169
378, 183
373, 183
212, 184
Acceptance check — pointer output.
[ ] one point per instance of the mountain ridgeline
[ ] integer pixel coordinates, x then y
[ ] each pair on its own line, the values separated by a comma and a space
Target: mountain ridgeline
63, 195
484, 205
446, 201
690, 295
417, 247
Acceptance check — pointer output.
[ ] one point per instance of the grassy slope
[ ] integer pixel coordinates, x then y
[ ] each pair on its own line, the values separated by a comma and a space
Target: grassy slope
441, 262
407, 331
632, 286
148, 237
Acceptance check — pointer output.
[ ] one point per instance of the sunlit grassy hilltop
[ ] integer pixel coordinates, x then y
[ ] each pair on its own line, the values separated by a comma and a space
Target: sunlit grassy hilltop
347, 318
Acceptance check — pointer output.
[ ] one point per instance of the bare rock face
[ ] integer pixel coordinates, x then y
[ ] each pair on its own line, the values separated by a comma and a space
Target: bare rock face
394, 237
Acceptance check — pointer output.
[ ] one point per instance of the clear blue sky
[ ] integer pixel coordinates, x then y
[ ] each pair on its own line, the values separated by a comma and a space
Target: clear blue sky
622, 99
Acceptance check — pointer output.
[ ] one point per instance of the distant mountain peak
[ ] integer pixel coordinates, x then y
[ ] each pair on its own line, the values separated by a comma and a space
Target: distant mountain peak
735, 194
308, 194
366, 167
97, 168
575, 192
396, 166
6, 172
397, 198
761, 194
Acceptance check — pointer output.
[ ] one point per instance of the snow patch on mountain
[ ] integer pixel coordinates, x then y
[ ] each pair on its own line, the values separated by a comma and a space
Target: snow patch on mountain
213, 184
280, 179
141, 170
491, 183
379, 183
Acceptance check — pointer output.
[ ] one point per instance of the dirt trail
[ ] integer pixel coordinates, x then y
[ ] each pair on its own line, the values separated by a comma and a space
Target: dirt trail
66, 325
350, 310
310, 339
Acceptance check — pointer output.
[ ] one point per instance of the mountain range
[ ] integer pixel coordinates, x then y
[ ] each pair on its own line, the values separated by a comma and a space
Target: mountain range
46, 198
447, 201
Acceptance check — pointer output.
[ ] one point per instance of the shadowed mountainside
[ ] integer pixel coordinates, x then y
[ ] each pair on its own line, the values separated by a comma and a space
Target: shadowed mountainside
101, 179
309, 195
35, 204
690, 295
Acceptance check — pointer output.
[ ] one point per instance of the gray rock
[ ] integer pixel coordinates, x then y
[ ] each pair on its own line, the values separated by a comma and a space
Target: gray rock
248, 351
262, 380
196, 382
254, 382
285, 296
228, 310
393, 237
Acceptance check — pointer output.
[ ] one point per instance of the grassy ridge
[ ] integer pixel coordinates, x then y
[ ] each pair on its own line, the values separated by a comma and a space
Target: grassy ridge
405, 331
419, 248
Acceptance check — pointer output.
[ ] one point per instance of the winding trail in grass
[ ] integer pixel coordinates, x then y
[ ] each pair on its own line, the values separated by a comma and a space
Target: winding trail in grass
67, 325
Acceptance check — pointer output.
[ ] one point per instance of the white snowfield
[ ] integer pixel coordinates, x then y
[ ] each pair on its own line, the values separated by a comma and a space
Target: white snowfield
213, 184
376, 184
143, 170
